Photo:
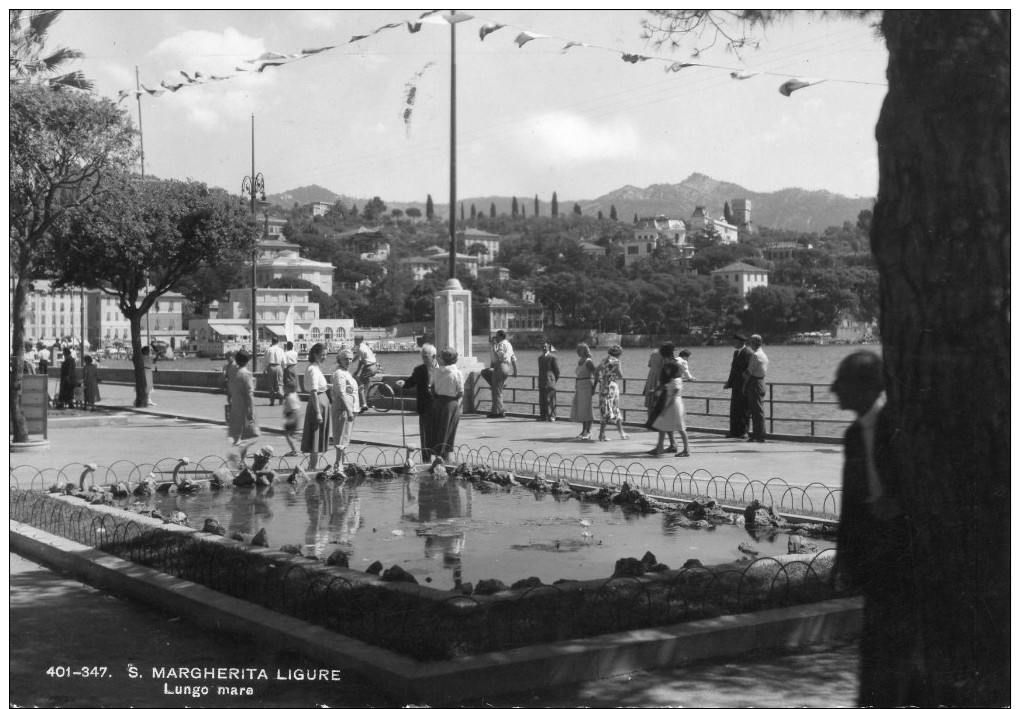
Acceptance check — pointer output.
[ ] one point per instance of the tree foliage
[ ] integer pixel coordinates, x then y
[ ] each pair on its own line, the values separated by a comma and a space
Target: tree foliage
31, 62
144, 237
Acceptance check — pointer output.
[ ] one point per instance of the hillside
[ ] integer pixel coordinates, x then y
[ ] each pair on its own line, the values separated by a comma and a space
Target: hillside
791, 209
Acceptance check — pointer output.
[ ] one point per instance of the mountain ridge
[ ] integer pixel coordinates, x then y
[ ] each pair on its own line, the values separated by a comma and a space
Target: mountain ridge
790, 208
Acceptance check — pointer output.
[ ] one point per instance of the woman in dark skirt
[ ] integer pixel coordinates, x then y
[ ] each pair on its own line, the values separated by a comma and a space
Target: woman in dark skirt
315, 439
447, 391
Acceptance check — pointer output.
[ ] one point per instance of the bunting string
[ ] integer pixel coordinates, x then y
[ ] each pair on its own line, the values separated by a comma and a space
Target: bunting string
272, 60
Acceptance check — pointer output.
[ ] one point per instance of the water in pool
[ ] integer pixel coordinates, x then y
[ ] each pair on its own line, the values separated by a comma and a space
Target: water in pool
444, 531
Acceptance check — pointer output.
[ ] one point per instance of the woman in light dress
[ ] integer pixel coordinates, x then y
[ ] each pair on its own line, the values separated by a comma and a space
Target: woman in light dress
344, 389
584, 387
670, 415
241, 391
608, 374
317, 430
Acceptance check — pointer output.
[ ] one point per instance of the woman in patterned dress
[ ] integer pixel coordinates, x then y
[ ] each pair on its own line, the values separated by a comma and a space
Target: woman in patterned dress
608, 374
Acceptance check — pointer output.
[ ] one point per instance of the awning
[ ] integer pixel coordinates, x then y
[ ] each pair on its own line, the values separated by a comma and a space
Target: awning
239, 331
277, 330
228, 330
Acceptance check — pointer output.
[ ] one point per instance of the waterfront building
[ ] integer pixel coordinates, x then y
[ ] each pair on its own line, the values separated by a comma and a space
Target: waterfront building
701, 222
522, 318
742, 276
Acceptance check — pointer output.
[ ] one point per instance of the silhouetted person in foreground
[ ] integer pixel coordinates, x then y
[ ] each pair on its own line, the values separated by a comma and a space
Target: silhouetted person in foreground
874, 543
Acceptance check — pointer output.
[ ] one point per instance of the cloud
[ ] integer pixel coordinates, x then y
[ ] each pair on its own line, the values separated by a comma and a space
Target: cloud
220, 53
317, 20
568, 136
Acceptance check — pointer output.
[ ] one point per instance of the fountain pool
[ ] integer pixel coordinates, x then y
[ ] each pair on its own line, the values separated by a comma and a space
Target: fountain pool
445, 531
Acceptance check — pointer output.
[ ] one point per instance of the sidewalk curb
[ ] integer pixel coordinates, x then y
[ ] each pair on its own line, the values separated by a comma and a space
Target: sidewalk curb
463, 678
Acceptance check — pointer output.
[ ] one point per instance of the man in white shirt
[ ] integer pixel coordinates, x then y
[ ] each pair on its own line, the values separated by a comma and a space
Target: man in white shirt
754, 388
365, 367
274, 368
504, 364
290, 376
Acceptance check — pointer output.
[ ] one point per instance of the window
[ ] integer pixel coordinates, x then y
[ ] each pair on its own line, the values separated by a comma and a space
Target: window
314, 334
633, 250
328, 333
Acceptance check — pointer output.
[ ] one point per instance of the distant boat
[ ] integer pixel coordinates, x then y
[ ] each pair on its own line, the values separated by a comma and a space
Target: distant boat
811, 338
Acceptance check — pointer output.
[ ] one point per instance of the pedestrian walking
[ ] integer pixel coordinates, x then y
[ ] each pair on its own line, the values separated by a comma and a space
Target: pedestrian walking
68, 377
607, 375
669, 415
548, 376
584, 387
344, 405
740, 417
873, 546
420, 381
90, 375
447, 392
290, 375
503, 365
291, 414
316, 434
754, 388
274, 370
666, 352
242, 427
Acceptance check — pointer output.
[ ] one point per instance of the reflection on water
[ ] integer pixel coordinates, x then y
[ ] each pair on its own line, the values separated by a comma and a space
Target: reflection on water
444, 531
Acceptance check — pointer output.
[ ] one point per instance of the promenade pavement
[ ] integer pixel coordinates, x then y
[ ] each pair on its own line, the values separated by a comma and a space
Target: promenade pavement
55, 620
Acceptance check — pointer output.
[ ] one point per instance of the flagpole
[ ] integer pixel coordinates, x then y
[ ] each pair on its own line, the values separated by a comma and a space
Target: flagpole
141, 135
453, 148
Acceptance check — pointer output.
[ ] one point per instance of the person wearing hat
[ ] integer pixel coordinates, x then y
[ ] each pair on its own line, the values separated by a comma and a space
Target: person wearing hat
365, 367
740, 417
343, 406
504, 364
548, 375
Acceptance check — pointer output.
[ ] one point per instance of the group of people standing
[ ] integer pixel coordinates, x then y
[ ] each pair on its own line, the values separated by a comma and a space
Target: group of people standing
746, 383
438, 385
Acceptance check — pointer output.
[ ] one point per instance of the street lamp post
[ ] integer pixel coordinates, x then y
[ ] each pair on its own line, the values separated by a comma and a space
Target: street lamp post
254, 186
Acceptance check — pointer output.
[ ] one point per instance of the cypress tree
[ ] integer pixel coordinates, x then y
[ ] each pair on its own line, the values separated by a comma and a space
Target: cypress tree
430, 210
612, 212
474, 214
462, 211
555, 206
514, 209
492, 209
727, 213
600, 214
536, 205
577, 209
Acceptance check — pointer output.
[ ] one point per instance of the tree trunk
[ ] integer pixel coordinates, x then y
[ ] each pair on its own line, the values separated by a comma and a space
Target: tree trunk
137, 360
18, 350
941, 242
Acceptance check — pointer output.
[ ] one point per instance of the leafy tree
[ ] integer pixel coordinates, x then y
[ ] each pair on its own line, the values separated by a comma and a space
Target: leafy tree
32, 62
940, 235
864, 218
373, 210
514, 208
612, 212
478, 249
397, 213
555, 206
151, 231
63, 146
413, 212
600, 214
577, 209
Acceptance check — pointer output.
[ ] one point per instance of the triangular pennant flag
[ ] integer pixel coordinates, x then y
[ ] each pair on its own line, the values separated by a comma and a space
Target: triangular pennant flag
388, 27
170, 87
413, 27
741, 75
356, 38
634, 58
570, 44
794, 84
488, 29
266, 65
525, 37
308, 52
265, 56
427, 13
677, 66
153, 92
121, 95
455, 17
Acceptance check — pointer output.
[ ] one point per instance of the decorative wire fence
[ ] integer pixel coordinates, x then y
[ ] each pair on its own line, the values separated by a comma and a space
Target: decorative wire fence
736, 489
421, 622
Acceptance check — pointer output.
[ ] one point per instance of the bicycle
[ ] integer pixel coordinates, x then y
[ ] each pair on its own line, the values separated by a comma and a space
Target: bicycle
380, 396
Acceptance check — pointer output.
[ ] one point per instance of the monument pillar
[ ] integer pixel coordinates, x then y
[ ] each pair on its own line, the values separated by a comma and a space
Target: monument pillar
453, 328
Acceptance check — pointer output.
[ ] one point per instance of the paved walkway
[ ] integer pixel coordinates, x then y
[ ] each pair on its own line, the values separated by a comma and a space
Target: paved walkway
60, 622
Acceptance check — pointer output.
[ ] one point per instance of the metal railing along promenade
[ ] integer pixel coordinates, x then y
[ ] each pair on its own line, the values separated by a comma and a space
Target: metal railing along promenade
791, 408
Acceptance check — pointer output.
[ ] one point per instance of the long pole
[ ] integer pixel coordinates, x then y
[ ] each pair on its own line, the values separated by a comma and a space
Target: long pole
254, 255
453, 148
83, 325
141, 136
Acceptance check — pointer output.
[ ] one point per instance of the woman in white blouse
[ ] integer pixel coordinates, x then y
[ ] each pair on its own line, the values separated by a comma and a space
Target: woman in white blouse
447, 391
315, 439
345, 406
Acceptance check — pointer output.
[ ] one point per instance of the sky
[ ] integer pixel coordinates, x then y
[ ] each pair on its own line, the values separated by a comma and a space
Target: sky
531, 120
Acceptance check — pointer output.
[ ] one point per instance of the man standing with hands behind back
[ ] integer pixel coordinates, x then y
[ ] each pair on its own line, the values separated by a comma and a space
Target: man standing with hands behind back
548, 375
739, 416
754, 388
874, 538
274, 370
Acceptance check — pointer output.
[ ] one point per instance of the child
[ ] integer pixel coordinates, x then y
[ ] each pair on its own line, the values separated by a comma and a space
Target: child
291, 405
91, 377
79, 392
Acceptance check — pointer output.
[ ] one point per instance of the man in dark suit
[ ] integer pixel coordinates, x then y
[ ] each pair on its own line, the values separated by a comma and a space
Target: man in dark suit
874, 539
740, 417
419, 380
548, 375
